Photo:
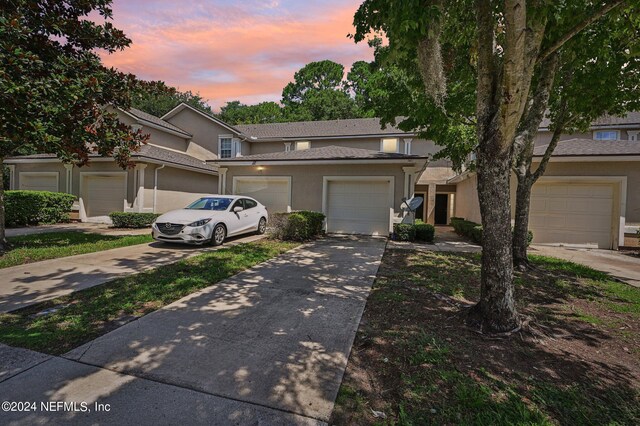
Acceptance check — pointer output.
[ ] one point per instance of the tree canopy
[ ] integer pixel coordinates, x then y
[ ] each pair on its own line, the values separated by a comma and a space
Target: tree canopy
156, 98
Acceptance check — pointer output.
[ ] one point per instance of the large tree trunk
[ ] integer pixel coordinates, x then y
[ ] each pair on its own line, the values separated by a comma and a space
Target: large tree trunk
496, 310
3, 239
521, 225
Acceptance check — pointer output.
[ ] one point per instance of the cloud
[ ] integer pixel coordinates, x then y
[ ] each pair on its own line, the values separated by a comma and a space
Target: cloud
233, 50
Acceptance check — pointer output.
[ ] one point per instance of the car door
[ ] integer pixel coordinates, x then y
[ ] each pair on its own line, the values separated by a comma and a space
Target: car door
253, 214
237, 220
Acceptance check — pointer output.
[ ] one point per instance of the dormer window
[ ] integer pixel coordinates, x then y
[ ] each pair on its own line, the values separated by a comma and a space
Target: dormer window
389, 145
633, 135
287, 146
226, 146
302, 145
606, 135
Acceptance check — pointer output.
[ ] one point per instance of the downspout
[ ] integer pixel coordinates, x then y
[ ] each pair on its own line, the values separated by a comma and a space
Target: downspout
155, 186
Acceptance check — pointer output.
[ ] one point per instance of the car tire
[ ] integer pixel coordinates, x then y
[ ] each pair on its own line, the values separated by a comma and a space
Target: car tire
262, 226
218, 235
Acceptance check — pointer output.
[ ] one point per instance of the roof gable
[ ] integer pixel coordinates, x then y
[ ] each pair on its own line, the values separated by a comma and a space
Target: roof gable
184, 107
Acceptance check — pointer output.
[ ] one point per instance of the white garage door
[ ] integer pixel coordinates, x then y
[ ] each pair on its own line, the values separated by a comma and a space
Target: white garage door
39, 182
572, 214
273, 192
358, 207
103, 194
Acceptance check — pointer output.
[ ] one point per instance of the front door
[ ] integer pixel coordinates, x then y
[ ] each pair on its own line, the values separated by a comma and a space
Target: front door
420, 210
442, 206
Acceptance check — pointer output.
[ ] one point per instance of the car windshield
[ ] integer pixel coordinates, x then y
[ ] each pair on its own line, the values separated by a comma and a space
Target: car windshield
210, 203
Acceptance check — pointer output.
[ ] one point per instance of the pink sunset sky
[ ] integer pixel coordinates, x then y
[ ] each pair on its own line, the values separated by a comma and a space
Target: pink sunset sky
233, 50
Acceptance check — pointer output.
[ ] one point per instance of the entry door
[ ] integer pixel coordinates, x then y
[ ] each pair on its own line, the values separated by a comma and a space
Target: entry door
442, 206
420, 210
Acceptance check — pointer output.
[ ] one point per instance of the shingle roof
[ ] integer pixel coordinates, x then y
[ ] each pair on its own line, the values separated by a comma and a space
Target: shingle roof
591, 147
141, 115
632, 118
169, 157
314, 129
325, 153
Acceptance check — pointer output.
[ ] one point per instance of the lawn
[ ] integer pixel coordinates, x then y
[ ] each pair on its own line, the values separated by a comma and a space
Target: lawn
62, 324
52, 245
415, 362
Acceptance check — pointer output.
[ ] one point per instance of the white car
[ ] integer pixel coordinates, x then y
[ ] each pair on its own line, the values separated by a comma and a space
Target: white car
211, 219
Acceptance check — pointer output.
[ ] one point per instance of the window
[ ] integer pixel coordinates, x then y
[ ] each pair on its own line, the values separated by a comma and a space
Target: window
238, 203
226, 147
249, 204
287, 146
407, 146
606, 135
301, 145
633, 135
210, 203
389, 145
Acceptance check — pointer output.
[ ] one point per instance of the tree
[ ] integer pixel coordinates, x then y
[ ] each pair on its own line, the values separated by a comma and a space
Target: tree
318, 93
156, 98
235, 112
591, 75
359, 83
495, 48
53, 87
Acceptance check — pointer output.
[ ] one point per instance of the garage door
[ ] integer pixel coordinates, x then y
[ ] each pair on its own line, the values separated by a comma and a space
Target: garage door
273, 192
358, 207
572, 214
39, 182
103, 194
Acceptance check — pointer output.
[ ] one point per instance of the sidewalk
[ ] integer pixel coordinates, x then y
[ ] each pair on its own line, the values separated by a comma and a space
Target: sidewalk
25, 285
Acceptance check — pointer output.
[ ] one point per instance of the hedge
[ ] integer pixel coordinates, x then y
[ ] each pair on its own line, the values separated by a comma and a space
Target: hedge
473, 230
24, 208
296, 226
132, 219
419, 232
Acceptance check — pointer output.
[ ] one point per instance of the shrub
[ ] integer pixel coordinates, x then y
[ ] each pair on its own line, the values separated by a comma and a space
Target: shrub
37, 207
132, 219
473, 230
424, 232
404, 232
296, 226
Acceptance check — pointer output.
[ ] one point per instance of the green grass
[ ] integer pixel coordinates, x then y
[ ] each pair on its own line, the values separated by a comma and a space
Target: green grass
87, 314
53, 245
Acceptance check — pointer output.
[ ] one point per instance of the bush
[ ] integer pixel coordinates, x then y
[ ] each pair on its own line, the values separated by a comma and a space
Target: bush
37, 207
404, 232
473, 230
132, 219
424, 232
296, 226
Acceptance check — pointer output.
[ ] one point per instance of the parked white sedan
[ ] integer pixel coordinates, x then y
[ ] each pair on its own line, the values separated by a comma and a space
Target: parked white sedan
210, 220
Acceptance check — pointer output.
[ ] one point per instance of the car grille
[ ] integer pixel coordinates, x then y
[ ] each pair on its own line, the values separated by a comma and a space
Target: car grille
169, 228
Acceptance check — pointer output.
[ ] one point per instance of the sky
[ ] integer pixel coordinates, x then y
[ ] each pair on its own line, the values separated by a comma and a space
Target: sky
245, 50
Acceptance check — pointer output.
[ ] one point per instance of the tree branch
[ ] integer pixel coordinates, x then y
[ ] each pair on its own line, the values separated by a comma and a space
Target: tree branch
577, 28
561, 123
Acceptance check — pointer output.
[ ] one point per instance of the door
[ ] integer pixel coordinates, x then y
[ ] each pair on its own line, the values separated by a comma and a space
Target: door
103, 194
441, 209
420, 211
359, 206
39, 181
239, 221
273, 192
252, 214
578, 214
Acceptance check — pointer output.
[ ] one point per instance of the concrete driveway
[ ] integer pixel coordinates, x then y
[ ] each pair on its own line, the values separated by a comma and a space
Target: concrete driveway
274, 339
617, 264
25, 285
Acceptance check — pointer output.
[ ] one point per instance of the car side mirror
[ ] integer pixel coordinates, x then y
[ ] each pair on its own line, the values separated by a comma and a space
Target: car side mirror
237, 209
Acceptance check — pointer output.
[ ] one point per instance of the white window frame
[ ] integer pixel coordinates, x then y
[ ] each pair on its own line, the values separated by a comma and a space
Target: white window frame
56, 174
237, 143
232, 147
397, 140
298, 143
633, 135
287, 146
595, 135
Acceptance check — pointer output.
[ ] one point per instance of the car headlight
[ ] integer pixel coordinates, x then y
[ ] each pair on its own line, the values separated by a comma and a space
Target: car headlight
201, 222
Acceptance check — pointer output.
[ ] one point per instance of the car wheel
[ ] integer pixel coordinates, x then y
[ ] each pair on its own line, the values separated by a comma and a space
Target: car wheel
262, 226
218, 235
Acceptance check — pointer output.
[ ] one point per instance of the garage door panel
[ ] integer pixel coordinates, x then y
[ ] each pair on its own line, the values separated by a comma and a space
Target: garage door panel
39, 182
572, 213
358, 207
273, 193
104, 194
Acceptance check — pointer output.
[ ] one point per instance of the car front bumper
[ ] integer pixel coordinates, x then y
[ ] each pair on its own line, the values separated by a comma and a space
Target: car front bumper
185, 235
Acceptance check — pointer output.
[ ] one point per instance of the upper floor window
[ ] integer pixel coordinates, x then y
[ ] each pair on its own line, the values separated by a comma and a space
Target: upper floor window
226, 146
300, 145
606, 135
407, 146
287, 146
389, 145
633, 135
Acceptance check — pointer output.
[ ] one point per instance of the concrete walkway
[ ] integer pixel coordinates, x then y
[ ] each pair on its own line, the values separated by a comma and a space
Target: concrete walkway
93, 228
267, 346
617, 264
446, 240
25, 285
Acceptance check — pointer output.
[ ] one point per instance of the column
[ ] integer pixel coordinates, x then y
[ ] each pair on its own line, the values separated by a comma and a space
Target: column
139, 201
431, 204
222, 180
